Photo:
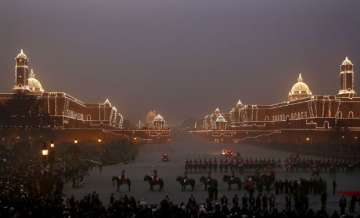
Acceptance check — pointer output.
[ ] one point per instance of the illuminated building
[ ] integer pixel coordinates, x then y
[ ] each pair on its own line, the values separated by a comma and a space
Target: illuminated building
51, 109
159, 122
317, 118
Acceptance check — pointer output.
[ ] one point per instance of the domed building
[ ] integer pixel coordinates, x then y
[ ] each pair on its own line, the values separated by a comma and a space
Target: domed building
56, 109
303, 118
149, 119
159, 122
34, 84
299, 90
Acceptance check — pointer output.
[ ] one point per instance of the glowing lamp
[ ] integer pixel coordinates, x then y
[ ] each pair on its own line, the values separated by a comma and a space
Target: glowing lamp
307, 139
44, 152
76, 141
99, 140
52, 145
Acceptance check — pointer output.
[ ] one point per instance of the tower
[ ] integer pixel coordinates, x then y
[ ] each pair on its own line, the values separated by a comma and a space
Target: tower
21, 72
346, 79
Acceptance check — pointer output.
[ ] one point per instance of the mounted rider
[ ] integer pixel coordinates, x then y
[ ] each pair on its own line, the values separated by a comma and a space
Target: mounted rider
155, 176
123, 175
185, 177
208, 179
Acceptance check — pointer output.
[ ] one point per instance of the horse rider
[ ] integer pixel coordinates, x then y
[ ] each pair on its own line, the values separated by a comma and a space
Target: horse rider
123, 176
185, 177
208, 179
155, 175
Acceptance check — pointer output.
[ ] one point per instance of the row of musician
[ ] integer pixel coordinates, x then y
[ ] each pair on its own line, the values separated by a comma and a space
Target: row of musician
292, 163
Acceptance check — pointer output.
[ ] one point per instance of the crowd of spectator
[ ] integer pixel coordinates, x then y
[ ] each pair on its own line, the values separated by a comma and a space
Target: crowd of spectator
128, 207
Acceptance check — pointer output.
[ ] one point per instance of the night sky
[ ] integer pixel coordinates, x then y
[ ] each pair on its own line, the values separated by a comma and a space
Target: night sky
182, 58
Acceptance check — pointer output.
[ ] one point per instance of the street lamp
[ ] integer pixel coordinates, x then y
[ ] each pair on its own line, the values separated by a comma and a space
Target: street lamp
44, 150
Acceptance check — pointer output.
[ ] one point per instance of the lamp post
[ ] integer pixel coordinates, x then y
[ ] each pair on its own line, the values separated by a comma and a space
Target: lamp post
52, 154
44, 158
44, 151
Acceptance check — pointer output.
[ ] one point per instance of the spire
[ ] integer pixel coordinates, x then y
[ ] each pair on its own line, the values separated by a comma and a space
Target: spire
21, 54
32, 74
239, 103
300, 79
347, 61
107, 102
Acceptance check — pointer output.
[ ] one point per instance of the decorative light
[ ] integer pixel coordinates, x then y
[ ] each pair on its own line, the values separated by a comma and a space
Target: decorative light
307, 139
76, 141
99, 140
45, 152
52, 145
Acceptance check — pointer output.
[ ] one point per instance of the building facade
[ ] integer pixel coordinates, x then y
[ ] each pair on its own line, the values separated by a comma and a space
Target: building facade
301, 111
30, 105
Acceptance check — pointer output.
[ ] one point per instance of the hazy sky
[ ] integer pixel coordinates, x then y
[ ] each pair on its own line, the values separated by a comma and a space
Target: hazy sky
180, 57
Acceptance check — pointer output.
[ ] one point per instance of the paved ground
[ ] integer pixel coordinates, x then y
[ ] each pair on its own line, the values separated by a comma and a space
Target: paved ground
149, 159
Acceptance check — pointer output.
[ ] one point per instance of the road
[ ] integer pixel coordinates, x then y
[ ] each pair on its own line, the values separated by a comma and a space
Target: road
149, 158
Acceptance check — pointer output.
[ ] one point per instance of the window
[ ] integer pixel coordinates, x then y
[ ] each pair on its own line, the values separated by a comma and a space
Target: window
351, 115
326, 124
339, 115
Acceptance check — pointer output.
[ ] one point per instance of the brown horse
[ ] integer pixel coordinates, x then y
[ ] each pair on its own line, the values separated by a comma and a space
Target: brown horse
152, 182
232, 180
118, 180
184, 183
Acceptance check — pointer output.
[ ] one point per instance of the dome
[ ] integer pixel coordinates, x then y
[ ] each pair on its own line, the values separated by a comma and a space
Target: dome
347, 61
34, 84
299, 90
220, 119
159, 118
150, 117
21, 55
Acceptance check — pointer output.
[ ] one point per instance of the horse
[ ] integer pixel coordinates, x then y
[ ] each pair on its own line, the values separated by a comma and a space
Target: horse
184, 183
152, 182
232, 180
205, 181
121, 181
